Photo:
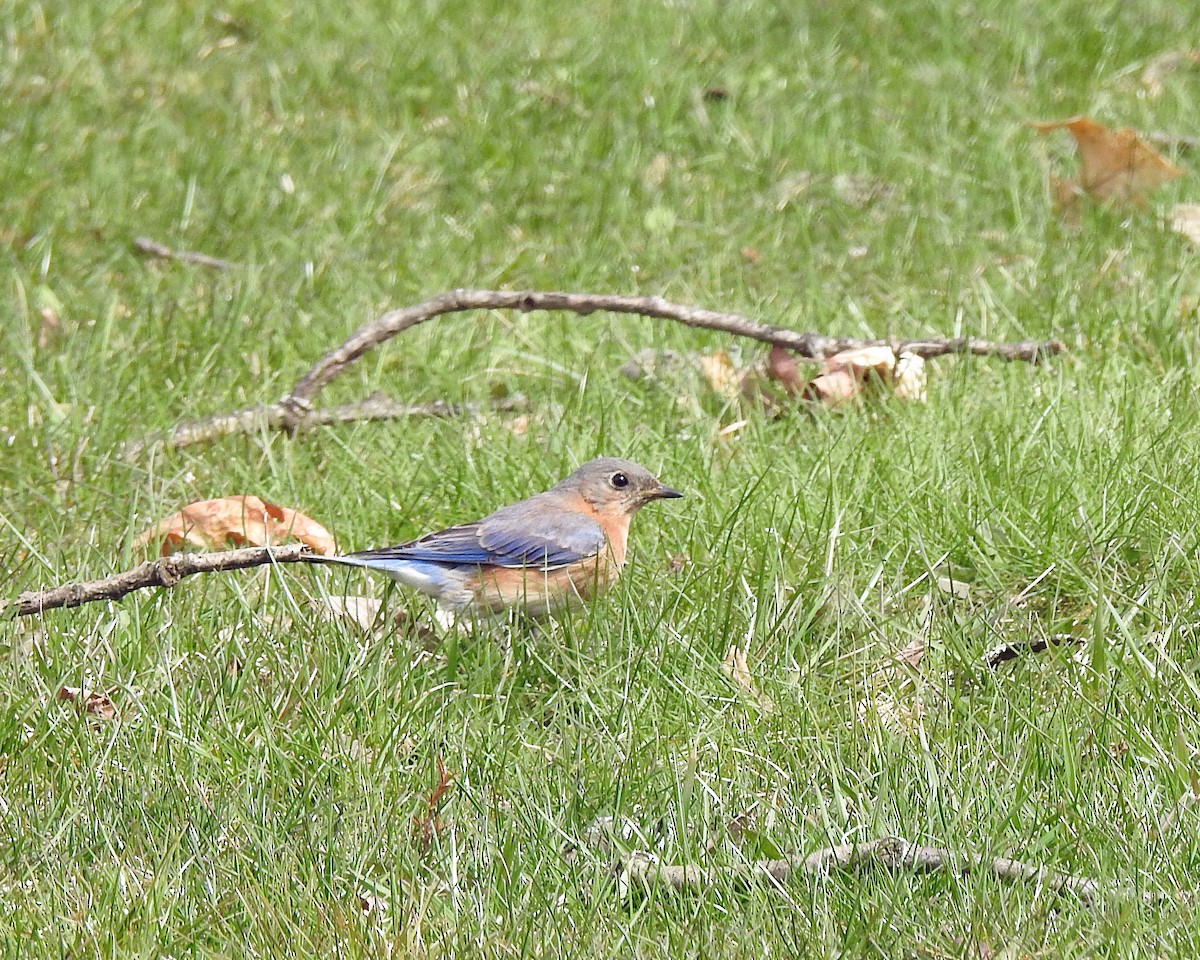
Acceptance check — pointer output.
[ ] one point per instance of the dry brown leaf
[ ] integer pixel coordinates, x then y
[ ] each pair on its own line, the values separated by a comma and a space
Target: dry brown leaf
90, 702
735, 667
784, 369
656, 170
1116, 166
428, 824
241, 520
912, 653
844, 375
722, 375
519, 425
1185, 220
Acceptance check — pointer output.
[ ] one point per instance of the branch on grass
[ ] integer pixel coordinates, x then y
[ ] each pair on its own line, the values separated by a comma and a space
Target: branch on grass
814, 346
889, 853
295, 411
284, 416
155, 573
152, 248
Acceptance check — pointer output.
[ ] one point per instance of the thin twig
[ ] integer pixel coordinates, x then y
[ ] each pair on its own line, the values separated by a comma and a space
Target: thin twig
283, 416
890, 853
811, 345
295, 411
152, 248
155, 573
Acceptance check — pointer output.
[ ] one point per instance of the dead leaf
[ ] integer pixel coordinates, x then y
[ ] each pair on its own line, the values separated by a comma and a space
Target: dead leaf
429, 824
958, 589
678, 563
656, 170
50, 328
909, 377
1116, 166
844, 375
784, 369
912, 653
241, 520
722, 375
1185, 220
735, 667
90, 702
1157, 70
362, 612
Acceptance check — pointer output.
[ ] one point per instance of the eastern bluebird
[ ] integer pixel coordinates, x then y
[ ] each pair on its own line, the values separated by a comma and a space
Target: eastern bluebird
560, 546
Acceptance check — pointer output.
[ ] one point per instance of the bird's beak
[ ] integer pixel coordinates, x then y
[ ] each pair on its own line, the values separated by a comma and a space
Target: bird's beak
665, 493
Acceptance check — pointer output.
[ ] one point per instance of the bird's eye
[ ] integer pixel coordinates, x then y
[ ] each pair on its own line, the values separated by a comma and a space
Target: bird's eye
620, 481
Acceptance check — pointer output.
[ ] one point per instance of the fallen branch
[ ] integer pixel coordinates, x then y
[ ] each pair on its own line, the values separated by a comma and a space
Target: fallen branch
282, 416
155, 573
152, 248
295, 411
889, 853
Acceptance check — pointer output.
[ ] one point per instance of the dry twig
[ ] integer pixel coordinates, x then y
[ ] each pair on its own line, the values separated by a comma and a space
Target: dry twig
155, 573
152, 248
279, 416
295, 411
890, 853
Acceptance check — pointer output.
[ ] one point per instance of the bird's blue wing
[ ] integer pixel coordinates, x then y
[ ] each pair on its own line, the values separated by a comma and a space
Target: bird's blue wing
527, 534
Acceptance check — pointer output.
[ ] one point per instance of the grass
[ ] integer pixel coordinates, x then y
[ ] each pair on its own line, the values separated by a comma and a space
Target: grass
269, 764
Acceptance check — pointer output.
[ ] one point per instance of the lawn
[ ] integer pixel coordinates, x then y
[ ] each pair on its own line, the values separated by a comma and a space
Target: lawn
857, 169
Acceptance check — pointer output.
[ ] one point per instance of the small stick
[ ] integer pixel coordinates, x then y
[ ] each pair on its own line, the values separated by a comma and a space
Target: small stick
152, 248
890, 853
814, 346
281, 416
154, 573
295, 411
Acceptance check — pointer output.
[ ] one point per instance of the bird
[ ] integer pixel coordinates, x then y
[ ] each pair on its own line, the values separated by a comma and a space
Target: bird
552, 550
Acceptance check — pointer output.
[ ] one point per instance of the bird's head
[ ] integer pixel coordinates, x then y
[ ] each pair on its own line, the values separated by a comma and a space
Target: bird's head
616, 486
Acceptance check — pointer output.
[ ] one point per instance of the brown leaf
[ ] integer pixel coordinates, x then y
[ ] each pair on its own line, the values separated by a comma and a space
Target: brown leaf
783, 368
844, 375
90, 702
241, 520
912, 653
1115, 165
1185, 220
428, 824
735, 667
722, 375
